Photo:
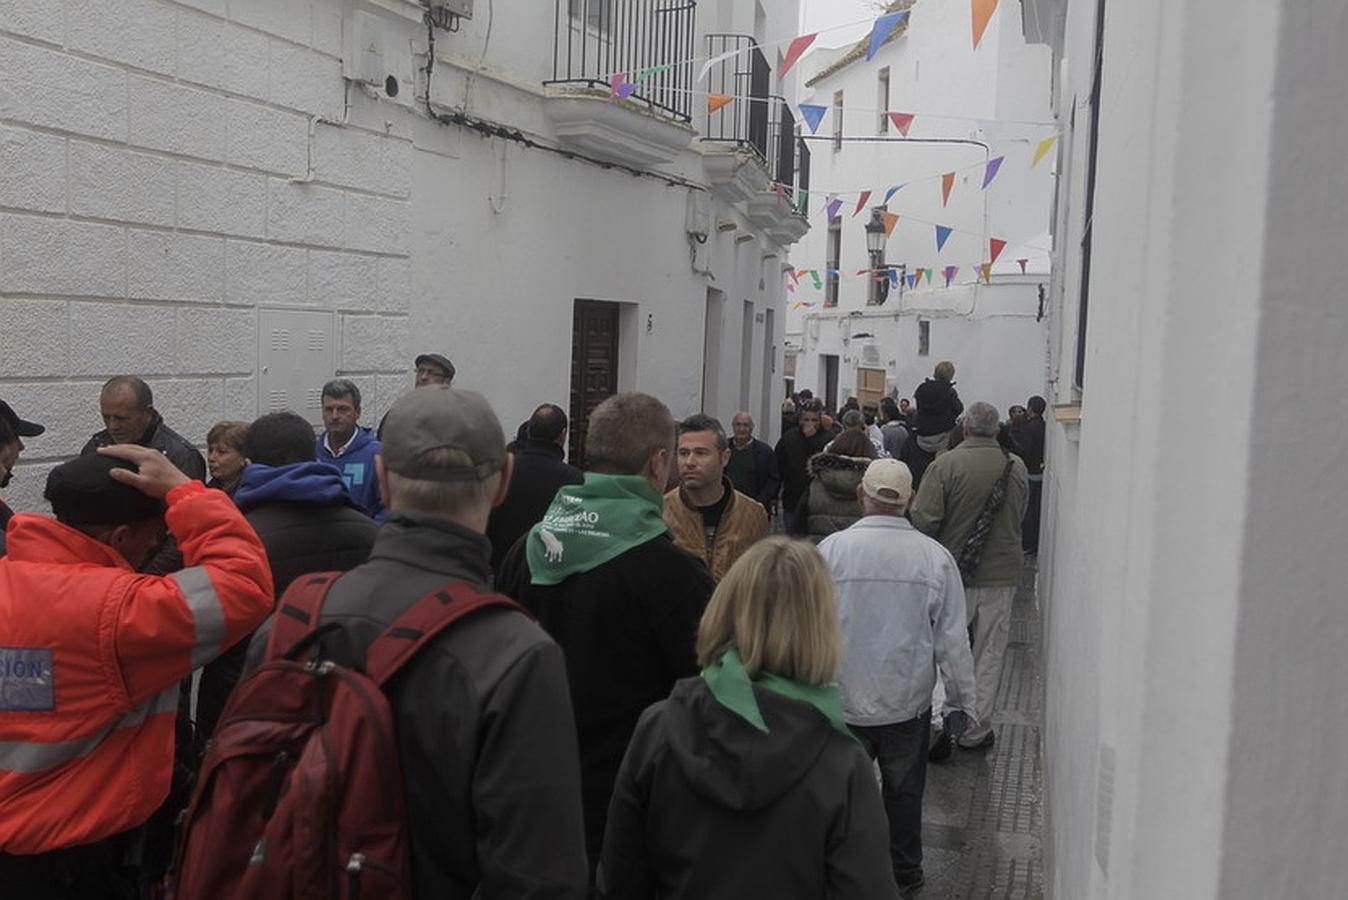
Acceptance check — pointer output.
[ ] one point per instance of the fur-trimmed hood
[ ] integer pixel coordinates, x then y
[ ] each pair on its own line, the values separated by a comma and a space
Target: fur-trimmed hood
839, 474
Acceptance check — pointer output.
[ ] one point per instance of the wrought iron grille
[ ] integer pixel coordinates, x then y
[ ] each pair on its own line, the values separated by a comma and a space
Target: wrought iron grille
747, 77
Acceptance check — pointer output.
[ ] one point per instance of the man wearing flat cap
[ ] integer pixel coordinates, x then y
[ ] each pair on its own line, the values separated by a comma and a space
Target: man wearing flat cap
12, 432
432, 368
93, 655
483, 714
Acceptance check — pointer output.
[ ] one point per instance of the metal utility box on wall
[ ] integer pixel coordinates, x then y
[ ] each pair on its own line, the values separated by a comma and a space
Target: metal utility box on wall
461, 8
295, 359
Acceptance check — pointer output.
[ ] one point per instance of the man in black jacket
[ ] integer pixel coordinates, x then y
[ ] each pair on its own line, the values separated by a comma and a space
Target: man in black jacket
604, 578
540, 470
485, 735
1032, 451
305, 516
793, 454
753, 464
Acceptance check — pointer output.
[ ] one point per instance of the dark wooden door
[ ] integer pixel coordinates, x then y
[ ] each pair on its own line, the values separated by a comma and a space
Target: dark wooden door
594, 366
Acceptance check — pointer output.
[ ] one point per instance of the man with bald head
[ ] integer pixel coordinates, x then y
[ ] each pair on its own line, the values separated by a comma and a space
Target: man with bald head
753, 465
129, 417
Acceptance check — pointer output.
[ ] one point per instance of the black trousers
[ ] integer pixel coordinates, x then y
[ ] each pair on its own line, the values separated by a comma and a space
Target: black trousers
1029, 527
96, 871
901, 750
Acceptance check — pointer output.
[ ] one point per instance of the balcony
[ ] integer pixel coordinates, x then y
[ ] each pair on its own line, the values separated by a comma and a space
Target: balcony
652, 42
736, 135
779, 210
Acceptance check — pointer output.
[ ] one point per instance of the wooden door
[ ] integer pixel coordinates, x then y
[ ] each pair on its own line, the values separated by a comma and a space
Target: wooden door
870, 386
594, 366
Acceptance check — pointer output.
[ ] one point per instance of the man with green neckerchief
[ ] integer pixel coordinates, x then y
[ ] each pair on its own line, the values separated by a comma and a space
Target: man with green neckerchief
605, 580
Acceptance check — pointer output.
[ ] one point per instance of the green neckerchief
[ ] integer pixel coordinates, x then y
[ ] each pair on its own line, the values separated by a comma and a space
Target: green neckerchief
733, 689
589, 524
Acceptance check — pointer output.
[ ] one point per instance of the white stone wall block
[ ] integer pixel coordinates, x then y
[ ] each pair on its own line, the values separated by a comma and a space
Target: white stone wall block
190, 406
222, 55
211, 198
32, 338
177, 119
375, 343
50, 256
240, 399
138, 33
307, 214
268, 139
109, 339
289, 19
306, 80
68, 409
53, 89
216, 341
361, 159
24, 494
327, 32
32, 170
395, 284
214, 7
183, 267
265, 274
343, 281
388, 388
112, 183
378, 224
40, 19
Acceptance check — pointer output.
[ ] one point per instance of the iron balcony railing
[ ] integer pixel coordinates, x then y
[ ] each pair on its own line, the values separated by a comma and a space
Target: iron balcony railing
802, 177
747, 77
652, 42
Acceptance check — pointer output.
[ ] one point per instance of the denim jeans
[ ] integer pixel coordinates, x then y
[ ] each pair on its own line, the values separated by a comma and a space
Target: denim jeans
901, 749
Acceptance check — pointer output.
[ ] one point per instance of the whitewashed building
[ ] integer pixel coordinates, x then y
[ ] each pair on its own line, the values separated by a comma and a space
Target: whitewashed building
239, 199
855, 335
1192, 569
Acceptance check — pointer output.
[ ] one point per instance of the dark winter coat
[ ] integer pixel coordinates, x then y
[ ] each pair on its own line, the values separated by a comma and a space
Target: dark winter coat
628, 629
830, 504
539, 472
5, 515
1031, 439
793, 455
357, 467
708, 807
485, 735
938, 406
767, 481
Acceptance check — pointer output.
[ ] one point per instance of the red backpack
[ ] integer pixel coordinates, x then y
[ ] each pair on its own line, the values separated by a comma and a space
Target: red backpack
301, 794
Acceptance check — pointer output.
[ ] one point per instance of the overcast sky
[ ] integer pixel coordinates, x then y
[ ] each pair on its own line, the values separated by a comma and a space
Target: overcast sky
821, 14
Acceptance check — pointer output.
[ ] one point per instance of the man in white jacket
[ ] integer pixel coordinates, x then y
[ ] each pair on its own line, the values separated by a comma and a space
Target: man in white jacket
902, 607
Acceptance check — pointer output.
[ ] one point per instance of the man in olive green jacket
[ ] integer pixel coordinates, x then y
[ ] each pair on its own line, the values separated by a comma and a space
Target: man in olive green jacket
954, 491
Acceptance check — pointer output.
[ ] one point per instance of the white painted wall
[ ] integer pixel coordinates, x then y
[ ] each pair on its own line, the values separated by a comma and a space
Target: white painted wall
1192, 563
170, 169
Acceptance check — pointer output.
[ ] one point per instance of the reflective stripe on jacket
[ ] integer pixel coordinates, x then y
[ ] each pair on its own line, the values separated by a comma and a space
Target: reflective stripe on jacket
90, 661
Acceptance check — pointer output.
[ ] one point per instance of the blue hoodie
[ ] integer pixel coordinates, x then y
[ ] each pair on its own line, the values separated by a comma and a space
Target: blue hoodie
304, 482
357, 468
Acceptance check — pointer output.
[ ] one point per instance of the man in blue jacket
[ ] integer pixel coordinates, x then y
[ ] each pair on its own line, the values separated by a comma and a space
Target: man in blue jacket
350, 447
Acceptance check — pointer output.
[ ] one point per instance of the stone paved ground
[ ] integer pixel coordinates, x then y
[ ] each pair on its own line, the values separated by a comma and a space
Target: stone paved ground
982, 810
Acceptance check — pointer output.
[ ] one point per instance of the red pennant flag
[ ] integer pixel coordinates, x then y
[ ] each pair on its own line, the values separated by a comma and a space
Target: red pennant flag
947, 184
718, 101
891, 219
902, 121
797, 50
983, 10
1023, 263
997, 247
861, 203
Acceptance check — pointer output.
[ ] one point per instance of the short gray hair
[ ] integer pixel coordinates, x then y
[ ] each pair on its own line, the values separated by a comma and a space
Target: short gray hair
624, 431
981, 420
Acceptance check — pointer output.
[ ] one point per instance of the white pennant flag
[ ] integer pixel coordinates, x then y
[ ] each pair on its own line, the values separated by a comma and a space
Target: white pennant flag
707, 66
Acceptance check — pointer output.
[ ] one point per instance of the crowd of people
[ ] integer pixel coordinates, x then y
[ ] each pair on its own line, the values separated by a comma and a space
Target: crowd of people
632, 681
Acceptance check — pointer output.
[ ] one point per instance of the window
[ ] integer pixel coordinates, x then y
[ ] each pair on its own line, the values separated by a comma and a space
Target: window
837, 120
831, 276
923, 338
882, 100
597, 14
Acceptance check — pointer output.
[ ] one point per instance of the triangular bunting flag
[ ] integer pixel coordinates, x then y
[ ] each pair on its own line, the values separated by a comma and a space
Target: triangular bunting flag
882, 29
983, 10
891, 192
912, 281
996, 247
1042, 150
994, 166
950, 273
651, 71
986, 269
1023, 264
902, 121
947, 184
791, 288
891, 219
814, 273
796, 51
894, 277
861, 272
793, 275
928, 272
620, 88
942, 235
707, 66
813, 114
918, 272
861, 203
833, 206
718, 101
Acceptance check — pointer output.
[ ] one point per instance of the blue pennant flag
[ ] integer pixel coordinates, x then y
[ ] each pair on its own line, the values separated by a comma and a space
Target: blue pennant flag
942, 235
891, 192
814, 114
883, 28
912, 281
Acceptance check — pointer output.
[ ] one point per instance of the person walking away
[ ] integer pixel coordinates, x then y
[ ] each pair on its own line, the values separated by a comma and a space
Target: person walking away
608, 583
224, 455
540, 470
793, 451
1032, 451
901, 607
753, 466
746, 781
830, 502
893, 430
705, 514
350, 447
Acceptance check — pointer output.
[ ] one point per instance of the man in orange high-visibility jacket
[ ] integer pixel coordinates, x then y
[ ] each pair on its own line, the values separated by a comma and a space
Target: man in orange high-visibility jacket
92, 653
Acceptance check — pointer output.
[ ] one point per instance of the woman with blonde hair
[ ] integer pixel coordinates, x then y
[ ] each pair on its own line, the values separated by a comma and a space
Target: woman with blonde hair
746, 782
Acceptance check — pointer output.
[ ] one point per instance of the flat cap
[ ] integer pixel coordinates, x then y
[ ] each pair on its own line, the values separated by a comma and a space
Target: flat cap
21, 427
439, 418
82, 492
436, 359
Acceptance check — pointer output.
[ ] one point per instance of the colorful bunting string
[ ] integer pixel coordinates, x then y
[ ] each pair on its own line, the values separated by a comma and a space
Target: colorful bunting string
813, 115
833, 206
620, 88
861, 203
796, 51
891, 219
942, 235
996, 246
994, 166
1042, 150
718, 101
889, 194
982, 10
947, 185
882, 29
950, 273
902, 122
1023, 263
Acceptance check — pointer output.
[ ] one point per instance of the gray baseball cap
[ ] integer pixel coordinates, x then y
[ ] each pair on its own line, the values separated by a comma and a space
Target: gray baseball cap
439, 417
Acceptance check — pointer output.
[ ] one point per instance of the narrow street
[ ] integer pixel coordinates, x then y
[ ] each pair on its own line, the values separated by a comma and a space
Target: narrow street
983, 810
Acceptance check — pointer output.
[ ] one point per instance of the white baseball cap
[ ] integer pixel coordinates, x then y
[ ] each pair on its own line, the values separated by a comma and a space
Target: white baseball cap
888, 481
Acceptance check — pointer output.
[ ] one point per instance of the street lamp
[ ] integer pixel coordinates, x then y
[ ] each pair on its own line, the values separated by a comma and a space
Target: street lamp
875, 246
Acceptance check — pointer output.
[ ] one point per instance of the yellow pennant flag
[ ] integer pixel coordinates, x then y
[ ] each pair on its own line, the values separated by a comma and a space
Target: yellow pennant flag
986, 269
891, 219
1044, 146
718, 101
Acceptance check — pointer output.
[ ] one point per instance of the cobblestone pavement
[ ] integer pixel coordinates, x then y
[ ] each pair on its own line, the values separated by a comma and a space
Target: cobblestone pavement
982, 810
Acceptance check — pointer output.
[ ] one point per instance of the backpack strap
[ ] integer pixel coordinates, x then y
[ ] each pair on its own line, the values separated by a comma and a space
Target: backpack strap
297, 613
422, 622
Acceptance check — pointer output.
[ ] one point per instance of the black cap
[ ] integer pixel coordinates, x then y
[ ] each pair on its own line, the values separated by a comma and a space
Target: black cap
81, 492
436, 359
21, 428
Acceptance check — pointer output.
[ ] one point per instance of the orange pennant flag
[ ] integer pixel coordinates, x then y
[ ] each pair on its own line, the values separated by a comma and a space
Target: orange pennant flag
1042, 150
947, 184
983, 10
718, 101
986, 269
861, 203
891, 219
